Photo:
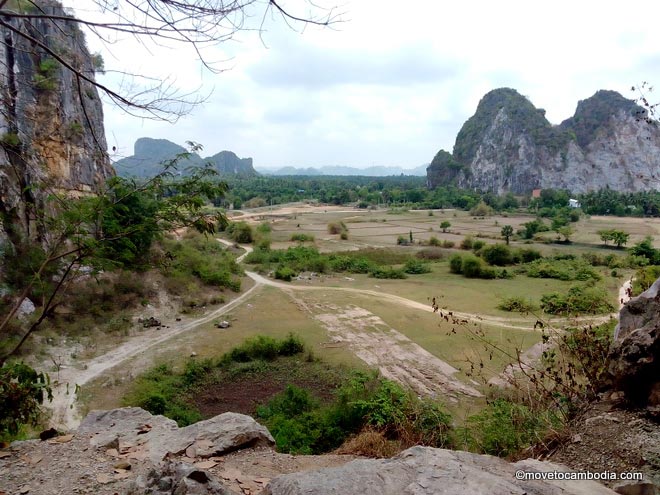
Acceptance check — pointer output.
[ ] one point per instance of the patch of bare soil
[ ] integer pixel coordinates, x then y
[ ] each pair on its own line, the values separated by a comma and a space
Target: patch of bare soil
396, 356
608, 437
245, 393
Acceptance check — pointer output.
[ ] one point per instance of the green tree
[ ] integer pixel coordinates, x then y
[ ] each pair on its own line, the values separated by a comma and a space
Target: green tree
104, 231
605, 235
620, 238
445, 225
645, 248
566, 232
507, 232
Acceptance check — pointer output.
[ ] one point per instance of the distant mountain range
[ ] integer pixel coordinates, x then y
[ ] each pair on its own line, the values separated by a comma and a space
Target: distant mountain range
376, 171
150, 154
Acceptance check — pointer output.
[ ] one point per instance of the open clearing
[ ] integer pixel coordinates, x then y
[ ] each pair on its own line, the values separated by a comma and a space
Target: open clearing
359, 321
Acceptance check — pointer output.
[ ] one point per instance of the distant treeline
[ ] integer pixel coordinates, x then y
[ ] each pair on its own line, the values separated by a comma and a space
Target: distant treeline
411, 192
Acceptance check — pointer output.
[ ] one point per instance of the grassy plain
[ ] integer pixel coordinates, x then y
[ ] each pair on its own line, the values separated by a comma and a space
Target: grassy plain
276, 312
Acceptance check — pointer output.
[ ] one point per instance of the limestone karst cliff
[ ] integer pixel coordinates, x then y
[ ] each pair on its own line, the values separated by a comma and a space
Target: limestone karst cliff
509, 146
150, 154
51, 122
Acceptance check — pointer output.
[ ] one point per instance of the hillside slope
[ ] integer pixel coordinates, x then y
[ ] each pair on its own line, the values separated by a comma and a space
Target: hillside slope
509, 146
150, 155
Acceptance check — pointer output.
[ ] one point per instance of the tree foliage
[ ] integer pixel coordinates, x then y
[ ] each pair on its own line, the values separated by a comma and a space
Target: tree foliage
114, 228
22, 391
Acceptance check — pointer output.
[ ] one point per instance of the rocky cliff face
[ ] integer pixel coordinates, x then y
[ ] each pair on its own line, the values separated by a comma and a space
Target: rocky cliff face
509, 146
150, 154
51, 123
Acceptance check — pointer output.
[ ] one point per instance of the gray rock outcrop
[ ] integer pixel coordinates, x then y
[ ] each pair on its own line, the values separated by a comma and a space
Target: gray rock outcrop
177, 478
509, 146
429, 471
51, 122
159, 436
635, 356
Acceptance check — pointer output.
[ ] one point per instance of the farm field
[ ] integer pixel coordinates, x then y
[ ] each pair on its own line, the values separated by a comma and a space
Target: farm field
356, 321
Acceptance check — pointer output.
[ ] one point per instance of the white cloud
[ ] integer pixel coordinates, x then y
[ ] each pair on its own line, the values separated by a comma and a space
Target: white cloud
395, 82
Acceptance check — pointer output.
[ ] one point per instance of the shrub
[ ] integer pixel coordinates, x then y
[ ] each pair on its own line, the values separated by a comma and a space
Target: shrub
467, 242
644, 278
264, 228
264, 348
585, 299
430, 254
302, 237
518, 305
497, 254
284, 273
336, 228
526, 255
434, 241
471, 266
503, 427
22, 391
415, 267
561, 269
456, 264
447, 244
481, 210
387, 272
477, 245
240, 232
291, 345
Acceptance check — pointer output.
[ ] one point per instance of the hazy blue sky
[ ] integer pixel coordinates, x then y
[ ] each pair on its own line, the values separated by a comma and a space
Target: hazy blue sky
393, 82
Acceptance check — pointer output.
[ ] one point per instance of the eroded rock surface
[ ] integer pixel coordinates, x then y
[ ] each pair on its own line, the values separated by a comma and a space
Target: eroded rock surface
425, 470
635, 358
158, 436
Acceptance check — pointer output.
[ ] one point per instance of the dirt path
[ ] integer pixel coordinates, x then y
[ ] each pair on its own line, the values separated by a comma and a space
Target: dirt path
63, 407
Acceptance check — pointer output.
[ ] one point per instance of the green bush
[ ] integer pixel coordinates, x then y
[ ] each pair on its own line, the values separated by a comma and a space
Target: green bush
477, 244
202, 259
291, 346
562, 269
467, 242
240, 232
302, 237
518, 305
284, 273
526, 255
456, 263
415, 267
584, 299
22, 392
159, 391
471, 266
497, 254
387, 273
264, 348
644, 278
503, 428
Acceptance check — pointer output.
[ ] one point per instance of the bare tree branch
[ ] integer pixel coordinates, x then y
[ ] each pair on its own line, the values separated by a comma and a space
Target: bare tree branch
194, 23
